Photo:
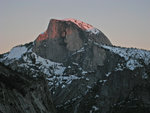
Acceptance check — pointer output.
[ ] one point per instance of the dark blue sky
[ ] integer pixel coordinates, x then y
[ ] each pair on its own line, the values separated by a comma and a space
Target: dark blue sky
124, 22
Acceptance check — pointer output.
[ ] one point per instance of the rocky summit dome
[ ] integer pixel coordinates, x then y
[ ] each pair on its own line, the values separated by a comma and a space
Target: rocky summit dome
64, 37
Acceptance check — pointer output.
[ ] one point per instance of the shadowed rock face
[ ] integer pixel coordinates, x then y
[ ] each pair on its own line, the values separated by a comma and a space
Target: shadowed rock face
64, 37
20, 93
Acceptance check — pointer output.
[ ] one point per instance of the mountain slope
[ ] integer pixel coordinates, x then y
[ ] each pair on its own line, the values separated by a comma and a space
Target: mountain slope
20, 93
93, 74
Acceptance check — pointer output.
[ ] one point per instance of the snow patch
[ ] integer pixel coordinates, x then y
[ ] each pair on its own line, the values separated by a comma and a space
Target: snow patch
84, 72
93, 30
108, 74
69, 67
89, 87
74, 63
96, 96
145, 76
44, 64
87, 79
132, 64
79, 51
103, 81
62, 80
42, 33
95, 108
16, 52
63, 86
119, 67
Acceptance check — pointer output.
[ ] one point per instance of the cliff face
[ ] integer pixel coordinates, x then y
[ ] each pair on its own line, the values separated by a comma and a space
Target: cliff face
64, 37
22, 94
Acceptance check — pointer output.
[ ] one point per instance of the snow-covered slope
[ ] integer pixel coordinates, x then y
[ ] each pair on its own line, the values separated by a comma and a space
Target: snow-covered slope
134, 57
24, 59
29, 58
70, 84
15, 53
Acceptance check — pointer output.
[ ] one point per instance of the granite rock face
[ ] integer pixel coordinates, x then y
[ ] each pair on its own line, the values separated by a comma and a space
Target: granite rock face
22, 94
64, 37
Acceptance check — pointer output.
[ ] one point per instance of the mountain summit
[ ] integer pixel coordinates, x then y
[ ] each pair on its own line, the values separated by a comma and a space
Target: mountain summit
73, 68
64, 37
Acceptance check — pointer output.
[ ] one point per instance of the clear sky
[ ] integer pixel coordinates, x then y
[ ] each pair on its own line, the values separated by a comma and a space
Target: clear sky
124, 22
